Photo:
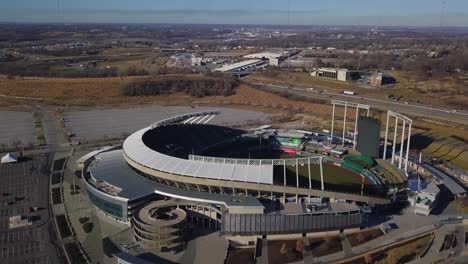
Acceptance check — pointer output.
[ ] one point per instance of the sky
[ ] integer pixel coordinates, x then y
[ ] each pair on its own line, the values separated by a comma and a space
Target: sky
301, 12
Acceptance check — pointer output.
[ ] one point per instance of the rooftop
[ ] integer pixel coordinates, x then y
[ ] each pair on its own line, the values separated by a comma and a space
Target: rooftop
431, 188
452, 185
236, 65
264, 55
112, 168
332, 69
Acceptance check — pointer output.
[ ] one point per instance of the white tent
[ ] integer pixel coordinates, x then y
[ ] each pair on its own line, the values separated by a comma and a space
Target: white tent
9, 158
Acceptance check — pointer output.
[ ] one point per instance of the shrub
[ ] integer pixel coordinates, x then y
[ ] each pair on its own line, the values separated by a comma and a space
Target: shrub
88, 227
194, 86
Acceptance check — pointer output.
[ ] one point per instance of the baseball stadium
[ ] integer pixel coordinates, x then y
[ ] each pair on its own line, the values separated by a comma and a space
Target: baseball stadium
258, 181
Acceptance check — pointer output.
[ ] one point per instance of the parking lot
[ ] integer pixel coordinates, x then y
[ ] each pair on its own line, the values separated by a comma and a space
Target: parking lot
24, 186
16, 126
112, 123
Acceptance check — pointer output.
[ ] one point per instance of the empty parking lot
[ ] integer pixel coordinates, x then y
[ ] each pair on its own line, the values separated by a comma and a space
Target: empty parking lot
16, 126
25, 185
112, 123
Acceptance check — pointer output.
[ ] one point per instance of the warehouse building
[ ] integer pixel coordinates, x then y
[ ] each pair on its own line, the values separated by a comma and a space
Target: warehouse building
242, 66
332, 73
273, 58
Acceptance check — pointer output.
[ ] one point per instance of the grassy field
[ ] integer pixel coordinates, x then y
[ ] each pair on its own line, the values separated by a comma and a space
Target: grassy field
407, 252
445, 91
402, 253
462, 205
335, 178
448, 92
444, 146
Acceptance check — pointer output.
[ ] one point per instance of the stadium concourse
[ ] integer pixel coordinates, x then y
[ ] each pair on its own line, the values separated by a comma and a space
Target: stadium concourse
239, 182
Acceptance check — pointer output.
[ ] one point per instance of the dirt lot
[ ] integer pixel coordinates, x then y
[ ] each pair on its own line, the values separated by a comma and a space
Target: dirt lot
244, 256
275, 256
325, 246
359, 238
402, 253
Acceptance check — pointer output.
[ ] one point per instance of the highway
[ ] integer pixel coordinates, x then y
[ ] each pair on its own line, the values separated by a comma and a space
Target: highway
403, 108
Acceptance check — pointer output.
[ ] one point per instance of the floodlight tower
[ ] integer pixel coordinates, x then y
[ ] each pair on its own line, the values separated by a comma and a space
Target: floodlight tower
406, 122
357, 108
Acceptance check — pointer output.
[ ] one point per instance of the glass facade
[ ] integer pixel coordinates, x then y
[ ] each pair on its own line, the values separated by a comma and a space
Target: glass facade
108, 207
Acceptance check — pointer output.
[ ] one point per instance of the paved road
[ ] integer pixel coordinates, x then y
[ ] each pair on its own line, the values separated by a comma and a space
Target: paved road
411, 109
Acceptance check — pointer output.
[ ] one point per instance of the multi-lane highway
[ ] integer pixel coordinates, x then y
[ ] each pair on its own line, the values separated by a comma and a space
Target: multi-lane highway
406, 108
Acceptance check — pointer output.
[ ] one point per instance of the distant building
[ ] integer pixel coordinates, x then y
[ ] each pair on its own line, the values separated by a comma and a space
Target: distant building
242, 66
332, 73
433, 54
196, 61
273, 58
376, 79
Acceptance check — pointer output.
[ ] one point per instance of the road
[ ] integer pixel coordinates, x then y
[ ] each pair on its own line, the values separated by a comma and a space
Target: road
403, 108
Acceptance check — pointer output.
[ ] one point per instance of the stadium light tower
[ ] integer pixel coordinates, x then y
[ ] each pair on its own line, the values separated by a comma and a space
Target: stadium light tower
346, 104
406, 122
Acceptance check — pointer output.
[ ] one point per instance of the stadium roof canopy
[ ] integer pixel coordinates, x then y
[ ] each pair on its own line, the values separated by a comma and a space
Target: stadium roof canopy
112, 168
136, 150
452, 185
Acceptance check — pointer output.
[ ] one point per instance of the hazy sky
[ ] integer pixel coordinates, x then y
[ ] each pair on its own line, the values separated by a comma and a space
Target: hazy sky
302, 12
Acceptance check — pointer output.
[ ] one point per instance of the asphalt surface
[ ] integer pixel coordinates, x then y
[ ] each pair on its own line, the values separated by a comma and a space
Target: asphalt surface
403, 108
27, 181
16, 126
114, 123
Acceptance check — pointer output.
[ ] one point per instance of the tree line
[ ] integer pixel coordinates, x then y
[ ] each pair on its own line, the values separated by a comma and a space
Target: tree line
197, 86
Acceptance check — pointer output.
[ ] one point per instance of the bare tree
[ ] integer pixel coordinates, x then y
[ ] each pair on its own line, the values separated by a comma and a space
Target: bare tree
17, 143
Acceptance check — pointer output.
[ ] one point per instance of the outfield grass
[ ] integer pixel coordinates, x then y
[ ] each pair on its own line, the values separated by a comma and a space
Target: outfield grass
335, 178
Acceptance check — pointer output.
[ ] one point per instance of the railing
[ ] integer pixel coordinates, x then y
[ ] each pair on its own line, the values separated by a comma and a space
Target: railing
173, 119
258, 162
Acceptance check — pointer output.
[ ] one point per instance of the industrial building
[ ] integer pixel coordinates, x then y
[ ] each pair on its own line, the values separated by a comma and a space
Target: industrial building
242, 66
273, 58
196, 60
332, 73
377, 79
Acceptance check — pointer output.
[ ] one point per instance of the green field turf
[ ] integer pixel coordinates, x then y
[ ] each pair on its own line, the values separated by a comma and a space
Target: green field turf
335, 178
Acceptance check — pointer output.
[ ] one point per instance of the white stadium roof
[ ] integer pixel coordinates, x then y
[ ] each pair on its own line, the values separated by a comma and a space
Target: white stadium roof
137, 151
